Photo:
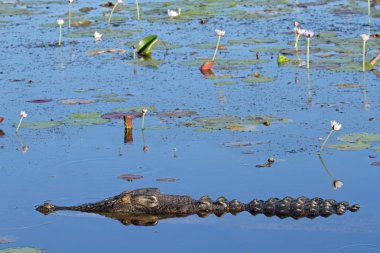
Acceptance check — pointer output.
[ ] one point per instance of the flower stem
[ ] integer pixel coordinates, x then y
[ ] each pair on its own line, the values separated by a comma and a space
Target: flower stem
69, 15
19, 124
369, 7
364, 55
138, 10
325, 167
143, 122
113, 9
308, 53
296, 43
324, 142
216, 49
60, 35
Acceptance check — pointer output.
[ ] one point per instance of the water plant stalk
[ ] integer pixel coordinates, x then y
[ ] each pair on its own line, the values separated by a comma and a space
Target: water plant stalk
325, 167
324, 142
308, 53
69, 15
19, 124
296, 43
60, 35
113, 9
364, 42
216, 49
143, 121
138, 10
369, 7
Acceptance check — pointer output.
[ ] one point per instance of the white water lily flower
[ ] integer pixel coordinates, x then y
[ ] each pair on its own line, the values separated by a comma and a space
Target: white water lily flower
98, 36
336, 126
173, 13
119, 1
337, 184
308, 34
60, 21
70, 1
144, 110
23, 114
296, 24
220, 33
365, 37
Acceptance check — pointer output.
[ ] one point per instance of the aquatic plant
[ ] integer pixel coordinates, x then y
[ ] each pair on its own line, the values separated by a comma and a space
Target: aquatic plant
97, 36
297, 33
309, 35
336, 183
335, 126
22, 116
144, 111
145, 46
369, 7
208, 64
173, 13
127, 122
70, 2
365, 37
1, 119
134, 51
113, 9
60, 22
138, 10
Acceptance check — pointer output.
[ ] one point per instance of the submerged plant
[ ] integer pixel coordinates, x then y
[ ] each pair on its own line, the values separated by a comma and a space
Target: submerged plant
22, 116
70, 2
208, 64
144, 111
60, 22
335, 126
365, 37
113, 9
309, 35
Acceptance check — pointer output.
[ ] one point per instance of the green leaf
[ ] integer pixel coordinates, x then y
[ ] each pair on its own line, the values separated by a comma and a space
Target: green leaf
41, 125
350, 145
363, 137
146, 45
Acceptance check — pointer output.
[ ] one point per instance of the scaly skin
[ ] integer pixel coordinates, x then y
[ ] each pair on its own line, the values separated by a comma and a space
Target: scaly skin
146, 206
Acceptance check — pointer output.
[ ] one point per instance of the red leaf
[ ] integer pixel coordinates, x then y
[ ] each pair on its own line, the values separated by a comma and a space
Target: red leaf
1, 119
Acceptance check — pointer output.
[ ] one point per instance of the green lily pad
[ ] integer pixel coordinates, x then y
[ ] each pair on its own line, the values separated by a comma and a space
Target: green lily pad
176, 114
361, 137
282, 59
84, 115
377, 149
41, 124
145, 46
253, 41
135, 109
350, 146
260, 79
21, 250
226, 83
86, 121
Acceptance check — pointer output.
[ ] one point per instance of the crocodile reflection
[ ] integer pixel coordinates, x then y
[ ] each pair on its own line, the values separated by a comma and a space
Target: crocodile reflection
145, 207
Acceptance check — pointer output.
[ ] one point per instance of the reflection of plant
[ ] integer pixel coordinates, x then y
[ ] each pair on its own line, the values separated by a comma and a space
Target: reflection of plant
113, 9
336, 183
24, 148
369, 7
22, 116
60, 22
97, 36
145, 146
335, 126
365, 37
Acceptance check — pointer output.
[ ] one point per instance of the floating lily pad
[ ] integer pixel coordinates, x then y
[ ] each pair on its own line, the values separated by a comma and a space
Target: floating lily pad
252, 41
74, 101
237, 144
39, 101
375, 163
135, 109
41, 124
85, 122
167, 179
85, 115
350, 146
260, 79
347, 85
21, 250
360, 137
109, 50
115, 100
87, 9
107, 33
81, 23
377, 149
226, 83
178, 113
129, 177
158, 127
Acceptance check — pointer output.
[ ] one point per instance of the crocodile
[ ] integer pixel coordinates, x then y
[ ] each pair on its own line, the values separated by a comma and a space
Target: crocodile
147, 206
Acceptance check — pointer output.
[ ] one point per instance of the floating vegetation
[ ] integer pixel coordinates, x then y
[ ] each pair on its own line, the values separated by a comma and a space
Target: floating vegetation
356, 141
259, 79
42, 124
129, 177
177, 113
167, 179
145, 46
102, 51
21, 250
85, 119
232, 123
81, 23
107, 33
75, 101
